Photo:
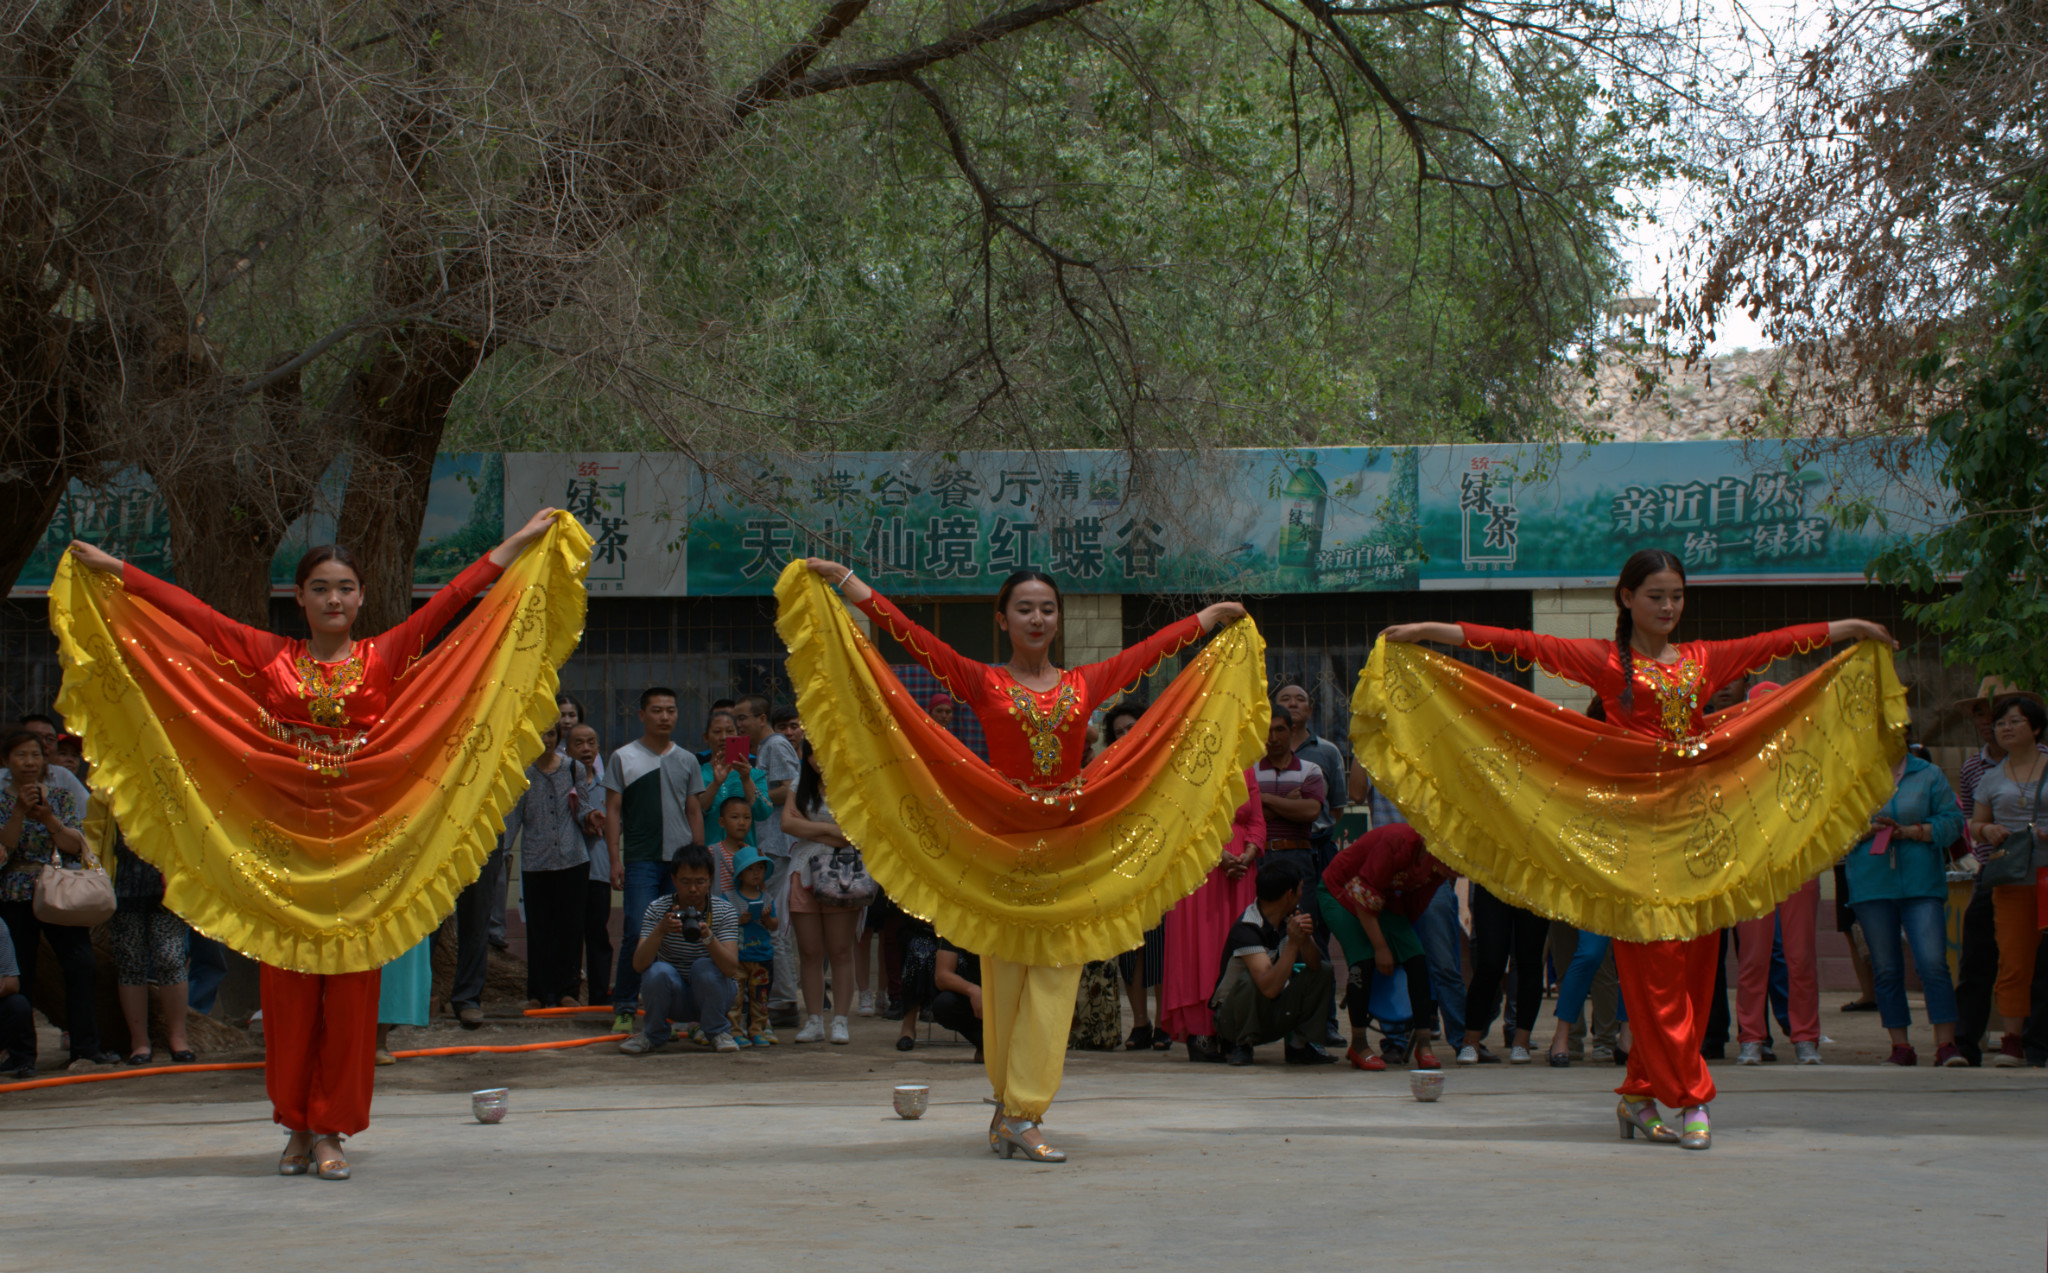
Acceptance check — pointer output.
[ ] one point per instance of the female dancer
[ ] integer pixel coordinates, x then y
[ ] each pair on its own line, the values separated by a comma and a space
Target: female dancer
1654, 687
324, 698
1036, 717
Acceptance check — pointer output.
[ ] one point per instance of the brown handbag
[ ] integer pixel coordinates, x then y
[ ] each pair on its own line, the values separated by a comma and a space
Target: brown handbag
82, 898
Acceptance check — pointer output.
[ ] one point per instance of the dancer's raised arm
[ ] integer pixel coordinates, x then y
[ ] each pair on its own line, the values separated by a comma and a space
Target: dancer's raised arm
250, 647
960, 675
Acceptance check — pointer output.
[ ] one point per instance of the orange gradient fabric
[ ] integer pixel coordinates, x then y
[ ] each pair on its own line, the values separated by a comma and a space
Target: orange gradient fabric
1031, 877
1618, 832
309, 866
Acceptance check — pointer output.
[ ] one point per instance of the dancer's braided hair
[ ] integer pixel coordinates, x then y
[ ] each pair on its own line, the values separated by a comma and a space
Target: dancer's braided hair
1638, 568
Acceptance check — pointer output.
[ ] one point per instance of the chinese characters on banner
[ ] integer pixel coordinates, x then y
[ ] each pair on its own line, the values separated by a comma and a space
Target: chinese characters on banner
1330, 519
635, 506
1764, 516
958, 524
1489, 519
1568, 516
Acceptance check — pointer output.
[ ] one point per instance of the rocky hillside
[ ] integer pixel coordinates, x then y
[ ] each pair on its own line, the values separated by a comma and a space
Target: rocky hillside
1707, 399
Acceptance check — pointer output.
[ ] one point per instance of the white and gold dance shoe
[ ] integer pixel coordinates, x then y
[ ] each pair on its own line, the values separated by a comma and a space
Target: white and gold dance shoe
330, 1168
1011, 1133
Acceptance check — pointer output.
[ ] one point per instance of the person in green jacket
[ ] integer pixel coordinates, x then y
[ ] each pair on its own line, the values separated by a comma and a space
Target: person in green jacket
1898, 883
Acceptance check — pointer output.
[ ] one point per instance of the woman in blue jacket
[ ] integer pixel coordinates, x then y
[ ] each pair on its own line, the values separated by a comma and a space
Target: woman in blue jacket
1898, 882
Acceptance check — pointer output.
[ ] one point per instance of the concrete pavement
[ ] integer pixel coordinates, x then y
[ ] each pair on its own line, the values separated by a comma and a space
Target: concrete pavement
1174, 1167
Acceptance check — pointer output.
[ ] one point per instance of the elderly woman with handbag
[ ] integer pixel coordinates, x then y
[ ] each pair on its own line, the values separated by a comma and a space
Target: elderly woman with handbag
40, 835
2008, 822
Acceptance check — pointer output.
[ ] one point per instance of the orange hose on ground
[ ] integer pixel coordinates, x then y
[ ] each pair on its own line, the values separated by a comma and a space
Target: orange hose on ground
514, 1047
65, 1080
600, 1009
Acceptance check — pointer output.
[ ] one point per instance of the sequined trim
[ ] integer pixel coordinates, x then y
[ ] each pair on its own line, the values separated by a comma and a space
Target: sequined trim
326, 687
1042, 728
1677, 686
322, 753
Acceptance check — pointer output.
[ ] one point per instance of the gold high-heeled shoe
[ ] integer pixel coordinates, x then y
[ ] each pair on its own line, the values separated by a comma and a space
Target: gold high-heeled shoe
335, 1168
995, 1122
1634, 1116
1011, 1132
294, 1164
1699, 1132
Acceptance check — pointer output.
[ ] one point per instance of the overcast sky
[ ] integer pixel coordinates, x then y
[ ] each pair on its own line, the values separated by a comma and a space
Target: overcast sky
1650, 247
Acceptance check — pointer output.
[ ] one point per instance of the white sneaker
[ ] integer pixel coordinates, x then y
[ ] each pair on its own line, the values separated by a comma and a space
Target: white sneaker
1751, 1054
725, 1042
813, 1031
839, 1034
1518, 1056
1808, 1053
867, 1003
1468, 1055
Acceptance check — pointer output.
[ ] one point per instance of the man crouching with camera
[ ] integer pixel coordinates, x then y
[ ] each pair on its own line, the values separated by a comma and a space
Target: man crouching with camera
687, 958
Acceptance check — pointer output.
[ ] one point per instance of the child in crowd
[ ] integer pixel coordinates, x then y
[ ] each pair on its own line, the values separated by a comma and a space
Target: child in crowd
736, 819
758, 922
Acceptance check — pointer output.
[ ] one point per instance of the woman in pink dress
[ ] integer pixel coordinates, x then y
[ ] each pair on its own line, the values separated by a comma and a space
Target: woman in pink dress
1196, 928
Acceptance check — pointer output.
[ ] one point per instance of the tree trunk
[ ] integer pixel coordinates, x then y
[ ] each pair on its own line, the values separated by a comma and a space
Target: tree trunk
47, 441
401, 404
230, 511
29, 492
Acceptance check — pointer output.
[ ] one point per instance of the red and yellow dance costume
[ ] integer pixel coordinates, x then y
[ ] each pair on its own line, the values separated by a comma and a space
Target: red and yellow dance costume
1036, 739
1035, 863
1658, 827
319, 817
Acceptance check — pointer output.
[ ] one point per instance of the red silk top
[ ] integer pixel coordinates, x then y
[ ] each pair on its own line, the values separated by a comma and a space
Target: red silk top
1386, 869
328, 705
1671, 698
1036, 738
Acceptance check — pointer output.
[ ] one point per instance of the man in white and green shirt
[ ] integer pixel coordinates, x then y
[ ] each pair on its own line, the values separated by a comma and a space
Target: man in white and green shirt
650, 811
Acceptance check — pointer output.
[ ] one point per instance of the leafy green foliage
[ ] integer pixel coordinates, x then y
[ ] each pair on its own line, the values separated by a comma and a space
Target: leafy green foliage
1263, 267
1995, 439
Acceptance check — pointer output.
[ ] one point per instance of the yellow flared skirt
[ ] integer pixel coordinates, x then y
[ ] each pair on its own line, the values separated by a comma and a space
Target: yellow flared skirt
314, 866
1000, 871
1620, 834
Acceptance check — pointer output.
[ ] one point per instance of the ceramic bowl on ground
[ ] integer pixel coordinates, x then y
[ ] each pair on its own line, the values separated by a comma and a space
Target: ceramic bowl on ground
490, 1104
912, 1098
1427, 1085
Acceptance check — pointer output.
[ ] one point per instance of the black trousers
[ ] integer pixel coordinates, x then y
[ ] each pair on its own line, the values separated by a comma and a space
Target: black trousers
597, 938
17, 1032
472, 933
1977, 973
1309, 864
955, 1012
554, 931
74, 955
1501, 932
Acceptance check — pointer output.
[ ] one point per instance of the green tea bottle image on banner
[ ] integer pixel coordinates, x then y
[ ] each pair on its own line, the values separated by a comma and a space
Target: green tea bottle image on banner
1303, 501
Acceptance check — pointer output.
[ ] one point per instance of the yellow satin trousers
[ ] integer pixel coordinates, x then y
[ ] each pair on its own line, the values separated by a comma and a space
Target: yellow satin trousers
1026, 1012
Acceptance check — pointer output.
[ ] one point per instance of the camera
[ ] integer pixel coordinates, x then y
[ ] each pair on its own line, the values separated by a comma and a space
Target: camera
693, 924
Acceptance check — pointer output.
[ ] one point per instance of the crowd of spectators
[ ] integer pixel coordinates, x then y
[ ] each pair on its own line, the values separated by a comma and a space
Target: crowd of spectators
746, 908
